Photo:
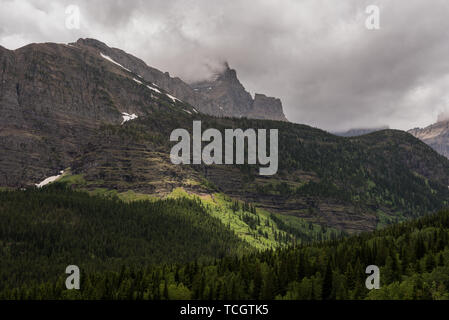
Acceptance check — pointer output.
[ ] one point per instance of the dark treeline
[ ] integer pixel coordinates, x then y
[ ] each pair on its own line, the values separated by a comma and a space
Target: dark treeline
43, 231
413, 258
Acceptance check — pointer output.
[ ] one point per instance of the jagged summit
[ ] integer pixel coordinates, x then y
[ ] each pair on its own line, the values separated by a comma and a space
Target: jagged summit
436, 135
232, 99
222, 95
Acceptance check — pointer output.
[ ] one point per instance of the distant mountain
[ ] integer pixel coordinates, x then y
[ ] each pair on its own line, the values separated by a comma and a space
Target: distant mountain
435, 135
358, 132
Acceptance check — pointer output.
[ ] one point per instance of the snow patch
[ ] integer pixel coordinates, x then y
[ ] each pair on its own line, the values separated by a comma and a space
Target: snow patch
195, 110
127, 117
174, 99
49, 180
138, 81
187, 111
111, 60
154, 89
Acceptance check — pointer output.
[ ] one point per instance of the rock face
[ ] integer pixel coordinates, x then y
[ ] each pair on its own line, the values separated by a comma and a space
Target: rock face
267, 108
54, 97
175, 86
435, 135
226, 96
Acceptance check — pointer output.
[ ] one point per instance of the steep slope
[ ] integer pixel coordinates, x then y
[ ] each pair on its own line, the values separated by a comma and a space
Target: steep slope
352, 184
224, 95
435, 135
54, 226
54, 97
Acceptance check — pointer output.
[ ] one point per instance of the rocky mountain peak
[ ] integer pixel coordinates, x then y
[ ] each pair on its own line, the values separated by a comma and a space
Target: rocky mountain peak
267, 108
91, 43
435, 135
222, 95
228, 74
231, 99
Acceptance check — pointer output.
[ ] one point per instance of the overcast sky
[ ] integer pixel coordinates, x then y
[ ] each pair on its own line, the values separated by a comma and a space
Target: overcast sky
317, 56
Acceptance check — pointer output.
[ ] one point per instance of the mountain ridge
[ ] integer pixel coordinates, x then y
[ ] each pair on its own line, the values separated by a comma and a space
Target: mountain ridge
435, 135
235, 101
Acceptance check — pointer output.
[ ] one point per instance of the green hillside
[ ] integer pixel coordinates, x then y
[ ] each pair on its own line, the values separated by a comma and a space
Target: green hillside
352, 184
43, 231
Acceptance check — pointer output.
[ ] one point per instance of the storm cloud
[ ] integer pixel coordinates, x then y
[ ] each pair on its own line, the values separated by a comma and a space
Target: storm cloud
329, 70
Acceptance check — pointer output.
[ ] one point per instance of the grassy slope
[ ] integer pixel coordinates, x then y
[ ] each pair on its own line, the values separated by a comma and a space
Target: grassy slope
264, 233
294, 229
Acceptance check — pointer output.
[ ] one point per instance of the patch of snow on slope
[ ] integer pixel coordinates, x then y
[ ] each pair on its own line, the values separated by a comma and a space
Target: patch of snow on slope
154, 89
138, 81
174, 99
116, 63
195, 110
187, 111
127, 117
49, 180
151, 88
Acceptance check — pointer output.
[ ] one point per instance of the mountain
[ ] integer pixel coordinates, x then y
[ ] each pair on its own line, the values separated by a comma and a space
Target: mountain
96, 121
54, 96
104, 118
351, 184
358, 132
435, 135
222, 96
233, 100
